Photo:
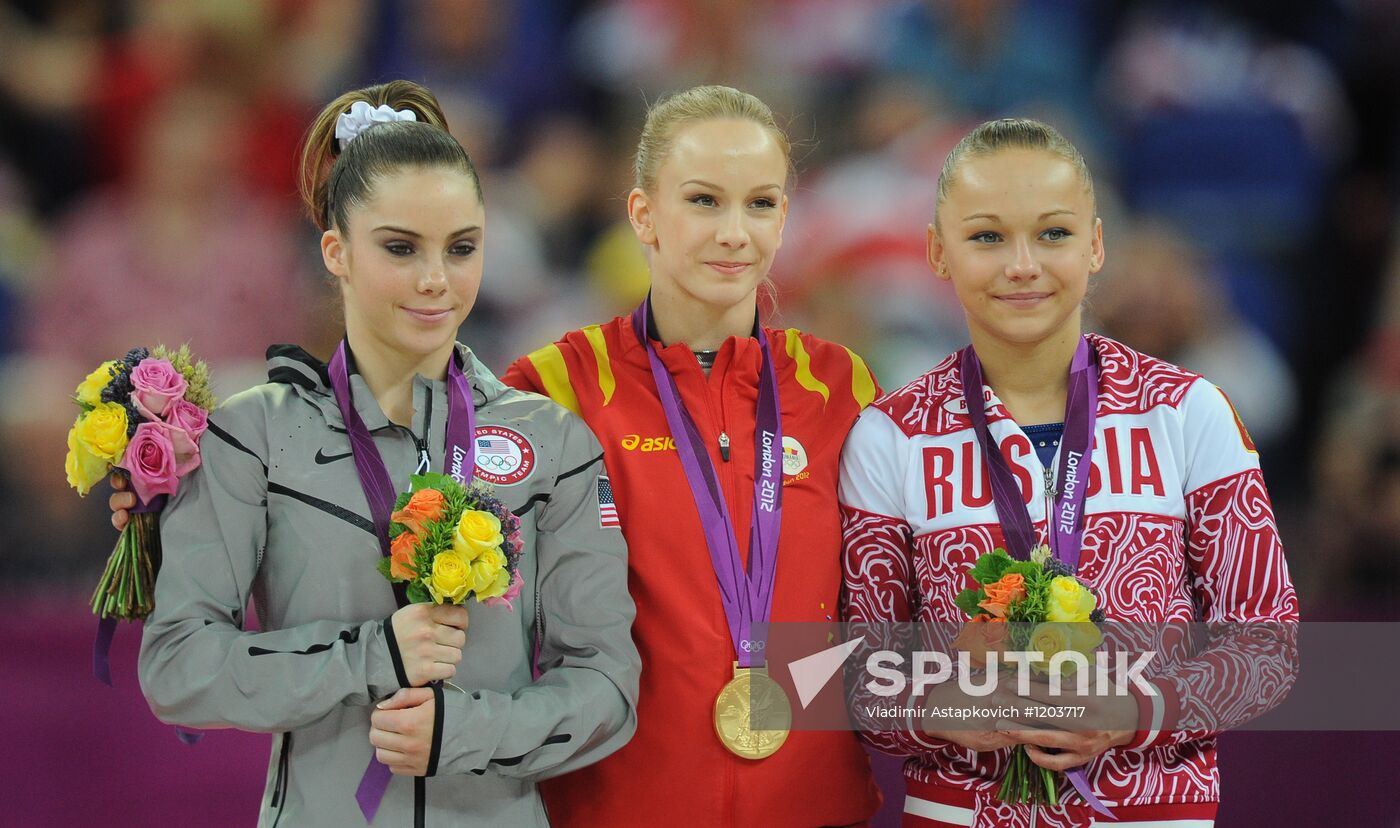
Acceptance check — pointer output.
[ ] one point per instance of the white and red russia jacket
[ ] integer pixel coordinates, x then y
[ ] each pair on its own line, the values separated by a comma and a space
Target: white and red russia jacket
1178, 528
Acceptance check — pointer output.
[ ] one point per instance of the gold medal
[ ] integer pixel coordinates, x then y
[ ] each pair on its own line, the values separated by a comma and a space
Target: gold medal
751, 695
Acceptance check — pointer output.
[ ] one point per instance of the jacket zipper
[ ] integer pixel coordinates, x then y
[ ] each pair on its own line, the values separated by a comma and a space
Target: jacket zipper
279, 785
424, 463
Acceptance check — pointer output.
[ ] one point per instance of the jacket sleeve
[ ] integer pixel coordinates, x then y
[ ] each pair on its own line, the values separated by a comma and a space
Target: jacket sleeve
521, 375
1240, 583
584, 704
879, 596
198, 665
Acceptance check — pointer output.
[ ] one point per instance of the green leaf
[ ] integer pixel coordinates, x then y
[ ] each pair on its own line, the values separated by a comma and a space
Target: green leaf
968, 600
991, 566
1025, 569
431, 480
383, 567
418, 594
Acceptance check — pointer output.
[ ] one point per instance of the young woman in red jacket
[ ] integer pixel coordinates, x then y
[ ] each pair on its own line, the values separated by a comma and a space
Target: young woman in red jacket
721, 439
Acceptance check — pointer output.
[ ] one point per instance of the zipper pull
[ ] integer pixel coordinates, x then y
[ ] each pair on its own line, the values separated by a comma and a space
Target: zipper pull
424, 464
724, 446
1049, 482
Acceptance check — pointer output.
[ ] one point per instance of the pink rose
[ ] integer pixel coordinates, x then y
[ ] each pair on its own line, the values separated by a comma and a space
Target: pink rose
150, 460
186, 422
155, 383
184, 414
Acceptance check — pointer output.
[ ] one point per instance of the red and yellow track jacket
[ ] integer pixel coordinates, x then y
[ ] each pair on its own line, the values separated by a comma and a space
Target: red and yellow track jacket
675, 764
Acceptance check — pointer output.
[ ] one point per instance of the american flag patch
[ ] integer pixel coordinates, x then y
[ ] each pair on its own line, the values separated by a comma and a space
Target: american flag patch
489, 445
607, 508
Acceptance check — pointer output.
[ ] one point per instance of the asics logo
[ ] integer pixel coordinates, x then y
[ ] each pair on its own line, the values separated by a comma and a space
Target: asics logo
636, 442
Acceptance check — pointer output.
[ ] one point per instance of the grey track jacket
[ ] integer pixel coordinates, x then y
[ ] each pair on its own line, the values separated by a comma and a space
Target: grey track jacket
276, 512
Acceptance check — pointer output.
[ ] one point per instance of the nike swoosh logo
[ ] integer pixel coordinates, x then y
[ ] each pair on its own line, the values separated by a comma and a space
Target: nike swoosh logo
322, 458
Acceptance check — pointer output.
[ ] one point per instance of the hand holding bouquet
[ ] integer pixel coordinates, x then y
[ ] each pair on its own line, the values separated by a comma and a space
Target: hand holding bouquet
142, 416
450, 542
1037, 606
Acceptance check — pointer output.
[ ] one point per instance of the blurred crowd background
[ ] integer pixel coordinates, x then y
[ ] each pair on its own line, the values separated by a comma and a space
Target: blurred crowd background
1246, 154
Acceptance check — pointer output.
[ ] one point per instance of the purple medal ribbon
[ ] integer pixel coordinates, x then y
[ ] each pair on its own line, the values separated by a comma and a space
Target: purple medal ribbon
1066, 519
459, 457
747, 596
1072, 481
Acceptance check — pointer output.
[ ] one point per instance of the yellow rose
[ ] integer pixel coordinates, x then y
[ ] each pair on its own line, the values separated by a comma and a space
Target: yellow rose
477, 532
485, 574
84, 469
90, 390
1069, 600
1050, 638
1085, 637
497, 588
449, 582
103, 431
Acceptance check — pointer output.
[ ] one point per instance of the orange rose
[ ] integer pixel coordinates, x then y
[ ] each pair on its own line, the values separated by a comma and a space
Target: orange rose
401, 553
1009, 589
983, 634
1002, 594
425, 506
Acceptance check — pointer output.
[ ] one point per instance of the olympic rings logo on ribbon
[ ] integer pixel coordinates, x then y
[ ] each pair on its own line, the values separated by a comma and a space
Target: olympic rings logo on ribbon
750, 646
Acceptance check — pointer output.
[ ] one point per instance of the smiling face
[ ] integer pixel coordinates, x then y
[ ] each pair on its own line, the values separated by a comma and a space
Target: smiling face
1018, 238
715, 218
409, 263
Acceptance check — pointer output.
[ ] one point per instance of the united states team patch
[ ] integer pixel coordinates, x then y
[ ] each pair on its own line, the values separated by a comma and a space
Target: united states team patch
607, 505
503, 455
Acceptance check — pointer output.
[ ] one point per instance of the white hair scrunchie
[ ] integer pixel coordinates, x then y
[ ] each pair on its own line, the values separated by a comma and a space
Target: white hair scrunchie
362, 116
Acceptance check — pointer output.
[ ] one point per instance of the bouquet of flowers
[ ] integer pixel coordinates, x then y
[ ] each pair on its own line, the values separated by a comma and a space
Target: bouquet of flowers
142, 415
1039, 606
450, 542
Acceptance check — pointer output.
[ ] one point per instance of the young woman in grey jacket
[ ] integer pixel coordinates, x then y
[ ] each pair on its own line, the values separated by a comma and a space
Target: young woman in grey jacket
342, 670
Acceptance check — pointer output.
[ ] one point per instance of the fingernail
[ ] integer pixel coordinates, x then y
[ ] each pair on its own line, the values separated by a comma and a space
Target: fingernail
381, 705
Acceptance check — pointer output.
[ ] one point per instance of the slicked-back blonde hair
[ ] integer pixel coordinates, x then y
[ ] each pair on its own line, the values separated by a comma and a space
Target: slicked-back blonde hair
1012, 133
699, 103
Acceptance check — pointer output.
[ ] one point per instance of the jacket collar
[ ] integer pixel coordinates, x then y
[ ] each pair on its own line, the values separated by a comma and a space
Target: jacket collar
293, 365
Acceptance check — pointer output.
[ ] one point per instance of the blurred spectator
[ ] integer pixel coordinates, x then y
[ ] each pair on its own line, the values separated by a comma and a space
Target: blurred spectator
1356, 524
185, 254
1158, 293
992, 58
1234, 134
855, 265
788, 52
92, 78
503, 55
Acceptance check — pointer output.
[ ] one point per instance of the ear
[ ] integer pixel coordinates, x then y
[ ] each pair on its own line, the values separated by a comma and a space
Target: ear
936, 251
333, 254
1096, 249
639, 213
782, 220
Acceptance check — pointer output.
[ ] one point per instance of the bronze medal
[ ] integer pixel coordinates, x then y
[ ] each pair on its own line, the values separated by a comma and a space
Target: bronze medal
751, 695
